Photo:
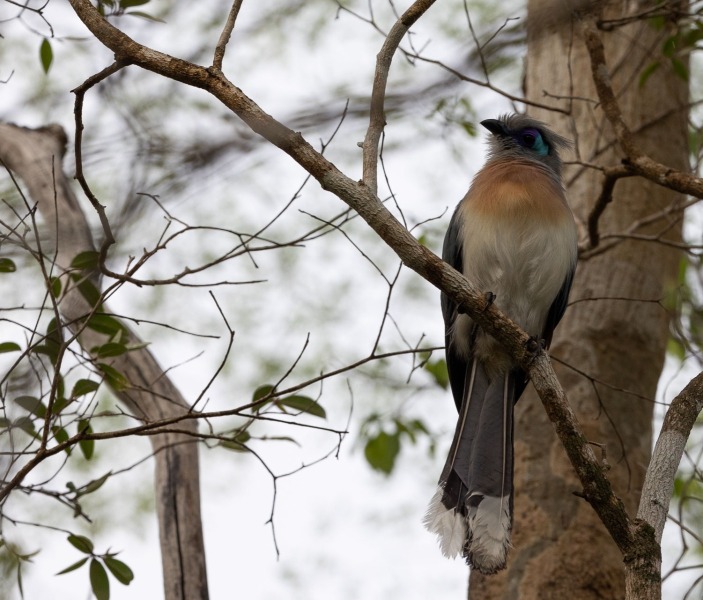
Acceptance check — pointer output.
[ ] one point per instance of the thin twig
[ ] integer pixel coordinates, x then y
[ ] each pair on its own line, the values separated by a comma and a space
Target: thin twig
80, 92
225, 35
606, 196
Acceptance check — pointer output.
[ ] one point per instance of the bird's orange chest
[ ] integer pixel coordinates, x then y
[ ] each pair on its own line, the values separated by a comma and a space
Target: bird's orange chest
513, 190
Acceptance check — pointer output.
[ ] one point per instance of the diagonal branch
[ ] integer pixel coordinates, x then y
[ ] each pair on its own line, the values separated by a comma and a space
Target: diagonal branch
360, 197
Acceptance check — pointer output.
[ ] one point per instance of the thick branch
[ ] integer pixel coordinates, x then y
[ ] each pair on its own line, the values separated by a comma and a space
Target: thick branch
661, 473
362, 199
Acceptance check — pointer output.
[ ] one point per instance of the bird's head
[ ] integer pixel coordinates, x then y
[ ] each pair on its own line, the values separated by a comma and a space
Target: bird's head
520, 137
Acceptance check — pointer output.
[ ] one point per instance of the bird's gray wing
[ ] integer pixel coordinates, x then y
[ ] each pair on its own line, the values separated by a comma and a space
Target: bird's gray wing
557, 309
457, 364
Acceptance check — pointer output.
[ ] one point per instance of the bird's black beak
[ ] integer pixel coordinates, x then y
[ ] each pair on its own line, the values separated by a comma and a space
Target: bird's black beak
496, 127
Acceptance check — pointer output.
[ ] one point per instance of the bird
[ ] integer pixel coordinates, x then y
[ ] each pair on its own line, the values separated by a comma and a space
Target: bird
515, 238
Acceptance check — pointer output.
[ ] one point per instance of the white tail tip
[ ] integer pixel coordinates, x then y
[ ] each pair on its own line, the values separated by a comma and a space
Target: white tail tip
449, 526
487, 528
490, 527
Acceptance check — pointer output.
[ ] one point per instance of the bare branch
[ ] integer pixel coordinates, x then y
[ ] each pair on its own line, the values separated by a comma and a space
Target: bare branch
670, 446
225, 35
377, 118
606, 196
78, 113
636, 160
360, 197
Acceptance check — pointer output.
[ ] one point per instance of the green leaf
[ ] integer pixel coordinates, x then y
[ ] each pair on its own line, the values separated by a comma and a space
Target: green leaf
25, 424
121, 571
87, 288
19, 580
417, 425
7, 265
669, 46
99, 581
468, 127
109, 349
303, 404
647, 72
680, 68
9, 347
52, 342
261, 392
143, 15
280, 438
106, 324
410, 428
83, 387
114, 378
32, 405
87, 446
55, 286
95, 484
58, 405
86, 260
237, 442
438, 370
46, 55
76, 565
381, 451
675, 348
81, 543
130, 3
60, 435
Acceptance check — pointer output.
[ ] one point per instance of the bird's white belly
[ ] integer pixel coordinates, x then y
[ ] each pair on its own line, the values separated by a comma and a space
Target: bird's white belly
524, 264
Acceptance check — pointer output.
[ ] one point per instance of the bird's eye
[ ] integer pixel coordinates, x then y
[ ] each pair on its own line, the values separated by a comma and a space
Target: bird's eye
529, 139
532, 140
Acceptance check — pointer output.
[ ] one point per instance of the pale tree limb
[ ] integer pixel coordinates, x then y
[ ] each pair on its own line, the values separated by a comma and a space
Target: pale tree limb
35, 156
663, 466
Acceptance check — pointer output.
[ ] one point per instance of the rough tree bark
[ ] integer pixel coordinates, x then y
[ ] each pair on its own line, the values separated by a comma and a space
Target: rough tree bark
35, 157
616, 330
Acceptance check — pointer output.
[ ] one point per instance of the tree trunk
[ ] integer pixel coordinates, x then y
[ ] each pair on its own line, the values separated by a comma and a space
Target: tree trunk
616, 329
34, 155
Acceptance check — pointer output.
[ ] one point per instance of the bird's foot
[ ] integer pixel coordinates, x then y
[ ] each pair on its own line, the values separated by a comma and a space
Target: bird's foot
535, 345
490, 298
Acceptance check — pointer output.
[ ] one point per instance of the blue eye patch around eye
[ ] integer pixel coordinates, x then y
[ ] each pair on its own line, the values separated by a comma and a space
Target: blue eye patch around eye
532, 139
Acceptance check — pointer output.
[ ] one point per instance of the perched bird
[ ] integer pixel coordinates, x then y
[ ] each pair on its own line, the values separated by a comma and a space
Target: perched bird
514, 237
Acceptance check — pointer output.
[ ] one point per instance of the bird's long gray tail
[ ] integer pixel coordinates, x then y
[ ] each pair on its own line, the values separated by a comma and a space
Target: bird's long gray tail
472, 510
